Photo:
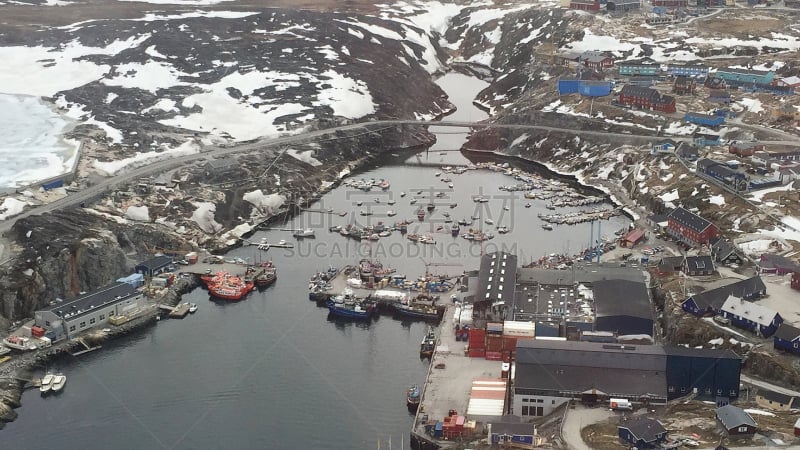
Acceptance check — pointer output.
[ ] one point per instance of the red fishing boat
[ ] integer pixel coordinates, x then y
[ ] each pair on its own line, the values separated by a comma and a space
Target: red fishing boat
229, 287
268, 276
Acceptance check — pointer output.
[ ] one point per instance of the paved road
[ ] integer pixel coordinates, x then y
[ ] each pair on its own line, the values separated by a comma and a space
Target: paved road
764, 385
109, 184
577, 419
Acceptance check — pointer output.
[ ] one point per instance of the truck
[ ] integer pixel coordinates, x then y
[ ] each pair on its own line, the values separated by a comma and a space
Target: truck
620, 404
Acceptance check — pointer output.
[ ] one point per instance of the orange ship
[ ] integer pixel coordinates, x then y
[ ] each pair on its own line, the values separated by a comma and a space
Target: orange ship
226, 286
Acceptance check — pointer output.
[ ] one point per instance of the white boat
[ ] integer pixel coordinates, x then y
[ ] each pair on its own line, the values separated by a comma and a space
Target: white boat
391, 213
413, 201
402, 194
308, 232
19, 343
359, 203
437, 174
489, 221
47, 383
450, 185
193, 308
506, 208
547, 226
385, 233
391, 202
58, 382
4, 350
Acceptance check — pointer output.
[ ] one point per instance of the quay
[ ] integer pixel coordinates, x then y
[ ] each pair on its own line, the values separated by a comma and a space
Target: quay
179, 312
449, 381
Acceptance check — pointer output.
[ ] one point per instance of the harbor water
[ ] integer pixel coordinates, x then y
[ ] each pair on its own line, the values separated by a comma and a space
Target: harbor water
274, 370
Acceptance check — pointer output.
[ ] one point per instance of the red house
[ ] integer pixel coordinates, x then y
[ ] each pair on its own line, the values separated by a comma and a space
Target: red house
796, 281
646, 98
690, 228
597, 60
585, 5
745, 148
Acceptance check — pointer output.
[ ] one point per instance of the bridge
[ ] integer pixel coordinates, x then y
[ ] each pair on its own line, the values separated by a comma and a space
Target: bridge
97, 191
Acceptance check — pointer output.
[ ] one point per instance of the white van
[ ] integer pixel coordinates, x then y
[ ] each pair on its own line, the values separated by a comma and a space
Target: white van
620, 404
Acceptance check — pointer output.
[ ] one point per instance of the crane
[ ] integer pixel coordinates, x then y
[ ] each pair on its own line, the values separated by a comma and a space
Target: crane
437, 264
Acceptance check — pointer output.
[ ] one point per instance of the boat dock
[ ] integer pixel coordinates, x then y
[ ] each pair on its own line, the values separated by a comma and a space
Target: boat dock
449, 380
176, 312
86, 348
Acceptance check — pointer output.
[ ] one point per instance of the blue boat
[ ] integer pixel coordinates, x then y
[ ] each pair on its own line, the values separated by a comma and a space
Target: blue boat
347, 305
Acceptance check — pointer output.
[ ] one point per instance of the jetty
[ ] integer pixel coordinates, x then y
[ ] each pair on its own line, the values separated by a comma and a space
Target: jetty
86, 348
449, 381
176, 312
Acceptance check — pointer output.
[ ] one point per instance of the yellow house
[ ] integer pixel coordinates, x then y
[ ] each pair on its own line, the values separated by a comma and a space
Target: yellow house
774, 400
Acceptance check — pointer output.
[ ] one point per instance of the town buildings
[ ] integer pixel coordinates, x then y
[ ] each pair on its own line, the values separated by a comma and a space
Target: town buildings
646, 98
67, 318
736, 422
710, 302
690, 228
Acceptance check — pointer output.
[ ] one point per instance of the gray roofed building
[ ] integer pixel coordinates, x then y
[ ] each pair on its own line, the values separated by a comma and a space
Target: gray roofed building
723, 251
566, 369
154, 266
497, 280
711, 301
622, 307
787, 332
221, 166
642, 430
89, 301
578, 273
678, 350
689, 219
699, 265
775, 397
733, 418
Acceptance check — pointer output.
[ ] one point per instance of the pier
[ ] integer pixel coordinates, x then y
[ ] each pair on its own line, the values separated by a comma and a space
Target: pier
179, 312
86, 348
449, 381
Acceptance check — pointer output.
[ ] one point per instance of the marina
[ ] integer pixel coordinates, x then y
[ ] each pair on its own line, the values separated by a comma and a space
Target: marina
313, 360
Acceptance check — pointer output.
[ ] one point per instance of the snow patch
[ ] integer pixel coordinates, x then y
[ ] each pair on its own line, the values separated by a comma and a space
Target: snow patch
138, 213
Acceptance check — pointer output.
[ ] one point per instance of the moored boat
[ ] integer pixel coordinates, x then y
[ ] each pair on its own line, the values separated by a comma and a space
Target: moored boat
428, 344
418, 310
547, 226
19, 343
307, 233
421, 214
268, 276
193, 308
58, 382
455, 230
349, 306
229, 287
413, 395
47, 383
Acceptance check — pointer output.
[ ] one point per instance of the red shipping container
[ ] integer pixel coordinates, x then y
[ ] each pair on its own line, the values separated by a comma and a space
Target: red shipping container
494, 356
509, 343
477, 352
37, 331
477, 338
494, 343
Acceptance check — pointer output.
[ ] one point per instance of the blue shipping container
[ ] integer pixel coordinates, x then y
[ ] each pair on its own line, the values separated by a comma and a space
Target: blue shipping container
594, 88
568, 86
53, 184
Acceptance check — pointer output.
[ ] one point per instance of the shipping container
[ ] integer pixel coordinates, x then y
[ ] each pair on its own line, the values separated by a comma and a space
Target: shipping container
494, 343
437, 430
509, 343
37, 331
477, 338
494, 328
494, 356
568, 86
53, 184
477, 352
594, 88
519, 329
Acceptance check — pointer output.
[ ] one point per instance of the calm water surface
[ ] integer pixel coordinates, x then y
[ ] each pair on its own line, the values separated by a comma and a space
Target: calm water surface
274, 371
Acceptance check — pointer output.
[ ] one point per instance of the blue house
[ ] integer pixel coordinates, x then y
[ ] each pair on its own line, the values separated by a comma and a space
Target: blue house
708, 373
751, 316
688, 70
634, 68
787, 338
704, 119
513, 434
641, 432
665, 146
706, 139
719, 96
710, 302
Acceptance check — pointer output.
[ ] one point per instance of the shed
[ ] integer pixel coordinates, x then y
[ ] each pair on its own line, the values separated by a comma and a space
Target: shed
779, 265
221, 166
632, 238
641, 432
154, 266
736, 421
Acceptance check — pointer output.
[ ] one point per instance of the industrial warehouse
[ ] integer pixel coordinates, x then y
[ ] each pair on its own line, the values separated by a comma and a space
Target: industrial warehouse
65, 319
